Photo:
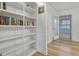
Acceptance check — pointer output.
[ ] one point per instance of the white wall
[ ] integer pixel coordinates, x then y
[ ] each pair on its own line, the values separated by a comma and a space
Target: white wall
50, 14
56, 29
41, 33
45, 28
75, 22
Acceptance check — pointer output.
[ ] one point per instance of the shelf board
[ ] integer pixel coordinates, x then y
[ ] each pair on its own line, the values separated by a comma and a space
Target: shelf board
27, 52
8, 12
30, 26
20, 48
16, 47
10, 26
17, 26
30, 34
8, 38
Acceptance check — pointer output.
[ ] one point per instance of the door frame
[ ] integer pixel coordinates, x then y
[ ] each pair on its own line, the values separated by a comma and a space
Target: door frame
70, 26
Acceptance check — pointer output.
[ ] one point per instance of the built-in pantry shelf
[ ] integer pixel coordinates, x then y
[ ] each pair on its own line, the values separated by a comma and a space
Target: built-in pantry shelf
18, 28
16, 47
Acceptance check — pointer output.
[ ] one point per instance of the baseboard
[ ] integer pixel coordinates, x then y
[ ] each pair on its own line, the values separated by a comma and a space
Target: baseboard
50, 41
56, 37
33, 53
75, 41
42, 52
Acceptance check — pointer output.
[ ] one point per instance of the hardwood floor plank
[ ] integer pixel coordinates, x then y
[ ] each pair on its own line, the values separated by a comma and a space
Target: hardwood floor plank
65, 45
69, 42
38, 54
63, 48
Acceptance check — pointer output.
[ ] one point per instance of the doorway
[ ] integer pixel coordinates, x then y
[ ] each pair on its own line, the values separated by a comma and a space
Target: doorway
65, 27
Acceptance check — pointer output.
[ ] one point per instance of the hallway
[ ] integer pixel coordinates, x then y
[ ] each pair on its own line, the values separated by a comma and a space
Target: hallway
29, 27
63, 48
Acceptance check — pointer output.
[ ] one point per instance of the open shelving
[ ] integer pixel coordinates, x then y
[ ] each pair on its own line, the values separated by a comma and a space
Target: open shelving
13, 48
17, 25
15, 9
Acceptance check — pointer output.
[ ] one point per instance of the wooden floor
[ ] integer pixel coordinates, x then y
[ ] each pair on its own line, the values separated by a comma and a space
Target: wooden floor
63, 48
38, 54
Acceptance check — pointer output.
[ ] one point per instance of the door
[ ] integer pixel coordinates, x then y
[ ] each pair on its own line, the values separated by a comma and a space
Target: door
65, 27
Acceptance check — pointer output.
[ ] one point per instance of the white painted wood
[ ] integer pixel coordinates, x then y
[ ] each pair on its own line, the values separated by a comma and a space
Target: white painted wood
41, 31
17, 40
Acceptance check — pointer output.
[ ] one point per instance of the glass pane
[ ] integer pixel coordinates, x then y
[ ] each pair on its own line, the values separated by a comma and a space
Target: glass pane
64, 26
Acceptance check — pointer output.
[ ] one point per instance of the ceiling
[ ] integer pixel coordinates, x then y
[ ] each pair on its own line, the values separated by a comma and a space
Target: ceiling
59, 6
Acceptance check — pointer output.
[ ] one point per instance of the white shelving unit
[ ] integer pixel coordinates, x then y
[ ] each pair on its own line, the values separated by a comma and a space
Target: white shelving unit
17, 39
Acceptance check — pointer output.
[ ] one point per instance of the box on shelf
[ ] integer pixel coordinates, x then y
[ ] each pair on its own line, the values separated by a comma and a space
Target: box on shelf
33, 23
6, 20
21, 22
1, 20
29, 22
4, 5
18, 22
25, 22
0, 5
13, 21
